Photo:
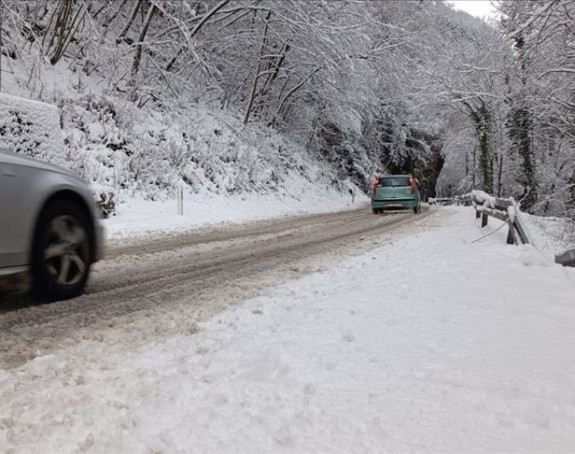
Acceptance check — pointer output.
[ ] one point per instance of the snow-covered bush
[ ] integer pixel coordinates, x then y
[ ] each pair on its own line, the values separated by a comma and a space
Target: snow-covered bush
123, 150
31, 128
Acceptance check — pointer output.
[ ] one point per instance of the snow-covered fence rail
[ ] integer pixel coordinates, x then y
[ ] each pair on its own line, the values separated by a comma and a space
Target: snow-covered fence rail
506, 210
442, 201
458, 200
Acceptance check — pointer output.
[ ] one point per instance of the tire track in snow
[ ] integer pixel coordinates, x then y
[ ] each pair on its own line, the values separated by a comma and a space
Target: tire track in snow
188, 272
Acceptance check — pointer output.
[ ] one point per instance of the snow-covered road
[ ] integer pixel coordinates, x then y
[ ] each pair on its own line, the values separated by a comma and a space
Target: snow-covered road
197, 273
428, 342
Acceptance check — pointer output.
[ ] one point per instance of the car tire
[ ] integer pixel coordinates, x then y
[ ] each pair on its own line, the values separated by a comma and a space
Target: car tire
416, 209
375, 211
62, 252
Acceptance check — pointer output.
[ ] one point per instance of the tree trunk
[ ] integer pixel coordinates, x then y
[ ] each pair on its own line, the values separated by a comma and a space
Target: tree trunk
139, 47
131, 19
196, 29
483, 127
521, 131
500, 175
290, 93
258, 73
65, 25
1, 43
275, 67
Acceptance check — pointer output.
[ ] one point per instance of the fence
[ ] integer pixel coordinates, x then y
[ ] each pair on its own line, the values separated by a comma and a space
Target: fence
505, 210
442, 201
445, 201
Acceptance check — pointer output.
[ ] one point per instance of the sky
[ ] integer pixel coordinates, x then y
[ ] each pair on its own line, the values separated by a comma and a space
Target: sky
479, 8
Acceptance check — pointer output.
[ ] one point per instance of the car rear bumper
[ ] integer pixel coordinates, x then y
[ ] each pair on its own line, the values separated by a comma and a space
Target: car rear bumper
382, 204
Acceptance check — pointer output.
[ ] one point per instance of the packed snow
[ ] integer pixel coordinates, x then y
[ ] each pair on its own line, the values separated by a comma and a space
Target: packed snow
483, 198
433, 342
550, 234
136, 217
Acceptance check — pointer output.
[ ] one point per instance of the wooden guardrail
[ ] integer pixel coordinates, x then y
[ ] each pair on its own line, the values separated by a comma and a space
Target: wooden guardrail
441, 201
506, 210
444, 201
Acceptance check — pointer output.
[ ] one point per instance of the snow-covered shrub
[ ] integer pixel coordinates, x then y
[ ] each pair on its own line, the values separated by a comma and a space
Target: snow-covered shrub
123, 150
31, 128
107, 204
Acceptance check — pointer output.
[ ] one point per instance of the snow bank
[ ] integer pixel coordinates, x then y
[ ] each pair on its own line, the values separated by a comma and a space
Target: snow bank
137, 153
149, 154
470, 350
138, 217
550, 234
31, 128
483, 198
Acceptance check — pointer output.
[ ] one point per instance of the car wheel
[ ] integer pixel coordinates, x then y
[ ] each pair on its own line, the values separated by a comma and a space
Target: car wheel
62, 252
416, 209
375, 211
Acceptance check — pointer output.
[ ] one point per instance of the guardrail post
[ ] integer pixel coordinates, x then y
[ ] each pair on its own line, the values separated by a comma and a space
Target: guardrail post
510, 234
484, 219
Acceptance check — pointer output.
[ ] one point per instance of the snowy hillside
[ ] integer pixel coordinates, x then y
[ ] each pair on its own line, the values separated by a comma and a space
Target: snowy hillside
148, 102
130, 152
261, 96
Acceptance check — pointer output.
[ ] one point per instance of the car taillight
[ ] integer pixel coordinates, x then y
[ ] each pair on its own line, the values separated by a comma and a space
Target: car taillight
374, 186
412, 184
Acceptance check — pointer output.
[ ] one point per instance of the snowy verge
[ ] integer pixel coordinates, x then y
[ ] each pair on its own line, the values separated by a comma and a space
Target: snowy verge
138, 217
431, 343
550, 234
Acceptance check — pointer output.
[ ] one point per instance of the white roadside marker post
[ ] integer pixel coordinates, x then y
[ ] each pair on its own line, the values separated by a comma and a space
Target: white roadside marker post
352, 193
180, 197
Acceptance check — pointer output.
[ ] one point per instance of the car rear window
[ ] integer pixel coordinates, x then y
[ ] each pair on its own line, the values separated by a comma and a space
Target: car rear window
394, 182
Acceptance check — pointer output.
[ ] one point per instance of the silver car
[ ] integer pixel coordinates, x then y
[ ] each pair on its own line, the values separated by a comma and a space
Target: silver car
49, 227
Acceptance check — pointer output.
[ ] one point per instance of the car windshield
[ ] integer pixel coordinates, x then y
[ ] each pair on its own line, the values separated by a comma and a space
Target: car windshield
394, 182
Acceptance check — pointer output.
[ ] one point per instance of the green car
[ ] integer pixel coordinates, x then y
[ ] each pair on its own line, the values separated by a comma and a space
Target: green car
393, 192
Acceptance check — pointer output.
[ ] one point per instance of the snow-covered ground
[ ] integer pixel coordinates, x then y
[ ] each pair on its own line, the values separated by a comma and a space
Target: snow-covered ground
434, 342
138, 217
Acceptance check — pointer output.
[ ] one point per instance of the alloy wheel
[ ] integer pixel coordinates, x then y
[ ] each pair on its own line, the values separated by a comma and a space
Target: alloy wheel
66, 255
